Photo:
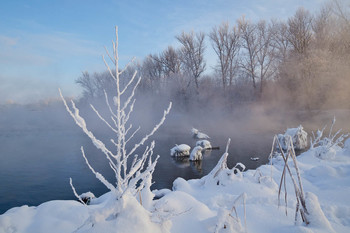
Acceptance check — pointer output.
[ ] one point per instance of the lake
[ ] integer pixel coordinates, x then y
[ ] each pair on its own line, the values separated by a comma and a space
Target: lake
40, 151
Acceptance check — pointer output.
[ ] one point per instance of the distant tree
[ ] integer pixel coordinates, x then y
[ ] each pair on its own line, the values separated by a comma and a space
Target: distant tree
265, 53
249, 43
152, 72
225, 42
192, 54
94, 85
88, 85
321, 27
279, 37
300, 30
170, 61
342, 10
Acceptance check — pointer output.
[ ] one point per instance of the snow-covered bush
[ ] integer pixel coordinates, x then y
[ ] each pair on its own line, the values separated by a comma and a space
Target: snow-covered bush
180, 150
205, 144
196, 153
199, 135
326, 147
298, 135
132, 178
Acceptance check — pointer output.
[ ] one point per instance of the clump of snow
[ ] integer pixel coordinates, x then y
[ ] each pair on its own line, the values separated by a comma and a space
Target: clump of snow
87, 197
199, 135
298, 135
196, 153
180, 150
254, 158
205, 144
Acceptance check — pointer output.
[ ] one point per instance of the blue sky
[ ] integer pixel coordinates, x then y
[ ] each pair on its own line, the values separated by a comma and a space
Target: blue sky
46, 45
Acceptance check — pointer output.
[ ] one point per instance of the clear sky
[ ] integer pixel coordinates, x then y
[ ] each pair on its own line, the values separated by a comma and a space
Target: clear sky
47, 44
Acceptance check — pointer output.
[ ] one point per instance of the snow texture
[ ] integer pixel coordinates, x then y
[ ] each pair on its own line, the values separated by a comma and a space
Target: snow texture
180, 150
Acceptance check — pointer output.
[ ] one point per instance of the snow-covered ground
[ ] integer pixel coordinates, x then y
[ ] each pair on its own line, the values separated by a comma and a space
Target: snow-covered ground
210, 204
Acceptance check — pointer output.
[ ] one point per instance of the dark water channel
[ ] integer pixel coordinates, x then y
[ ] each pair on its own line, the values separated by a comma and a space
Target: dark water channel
37, 162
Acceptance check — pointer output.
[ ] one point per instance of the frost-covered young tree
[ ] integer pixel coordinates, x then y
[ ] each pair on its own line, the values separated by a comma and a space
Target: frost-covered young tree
133, 173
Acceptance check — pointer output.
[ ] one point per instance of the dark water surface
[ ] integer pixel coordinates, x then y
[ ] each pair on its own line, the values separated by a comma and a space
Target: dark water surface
40, 151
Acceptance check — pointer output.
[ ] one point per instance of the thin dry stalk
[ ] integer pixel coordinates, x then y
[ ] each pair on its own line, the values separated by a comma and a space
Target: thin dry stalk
298, 188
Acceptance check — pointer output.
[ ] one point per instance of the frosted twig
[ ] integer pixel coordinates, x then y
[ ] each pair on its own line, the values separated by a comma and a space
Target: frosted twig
97, 174
110, 57
133, 134
129, 83
127, 65
166, 112
109, 69
75, 192
102, 119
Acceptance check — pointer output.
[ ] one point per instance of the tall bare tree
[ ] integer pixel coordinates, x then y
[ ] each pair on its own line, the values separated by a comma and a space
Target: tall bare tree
249, 55
280, 41
300, 30
265, 53
225, 42
170, 61
152, 72
192, 54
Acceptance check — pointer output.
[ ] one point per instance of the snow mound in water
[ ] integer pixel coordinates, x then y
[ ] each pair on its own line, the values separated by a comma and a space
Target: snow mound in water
199, 135
196, 153
180, 150
205, 144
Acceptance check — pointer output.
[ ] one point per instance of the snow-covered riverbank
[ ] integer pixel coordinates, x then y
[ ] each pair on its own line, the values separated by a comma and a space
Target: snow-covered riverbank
210, 204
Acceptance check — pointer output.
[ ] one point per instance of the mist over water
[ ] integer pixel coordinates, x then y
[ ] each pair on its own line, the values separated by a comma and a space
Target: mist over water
40, 144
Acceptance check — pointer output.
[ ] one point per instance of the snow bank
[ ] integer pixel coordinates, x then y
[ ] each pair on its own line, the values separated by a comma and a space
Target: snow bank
298, 135
180, 150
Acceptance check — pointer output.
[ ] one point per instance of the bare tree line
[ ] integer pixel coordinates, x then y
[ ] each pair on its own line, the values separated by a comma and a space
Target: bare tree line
300, 61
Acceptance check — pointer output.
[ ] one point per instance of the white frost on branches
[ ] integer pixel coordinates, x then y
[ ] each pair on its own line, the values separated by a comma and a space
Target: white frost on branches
129, 180
326, 147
